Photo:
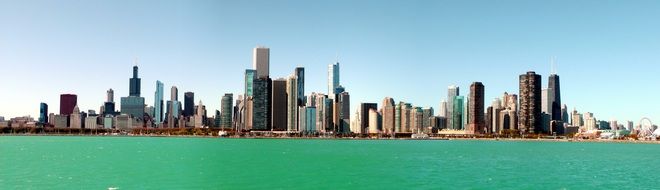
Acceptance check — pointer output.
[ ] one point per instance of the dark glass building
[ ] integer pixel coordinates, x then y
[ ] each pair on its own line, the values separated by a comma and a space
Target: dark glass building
133, 105
260, 105
134, 83
67, 103
188, 104
227, 110
279, 105
300, 75
43, 113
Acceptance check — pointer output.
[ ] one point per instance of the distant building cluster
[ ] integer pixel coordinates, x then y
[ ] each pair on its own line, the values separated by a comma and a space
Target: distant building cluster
282, 105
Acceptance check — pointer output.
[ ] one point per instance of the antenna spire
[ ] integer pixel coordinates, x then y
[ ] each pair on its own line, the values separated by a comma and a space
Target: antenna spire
553, 65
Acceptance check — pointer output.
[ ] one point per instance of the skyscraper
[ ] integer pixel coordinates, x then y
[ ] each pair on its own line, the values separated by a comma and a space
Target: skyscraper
388, 111
342, 112
442, 111
158, 103
261, 61
457, 112
427, 114
227, 110
530, 117
300, 76
110, 95
279, 105
188, 104
135, 83
397, 117
310, 119
554, 102
43, 113
133, 105
261, 104
174, 93
333, 79
292, 103
554, 97
452, 92
476, 118
173, 108
67, 103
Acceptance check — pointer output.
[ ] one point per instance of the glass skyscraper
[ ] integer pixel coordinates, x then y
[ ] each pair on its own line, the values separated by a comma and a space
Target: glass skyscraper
457, 112
133, 105
43, 113
333, 79
452, 92
158, 103
227, 109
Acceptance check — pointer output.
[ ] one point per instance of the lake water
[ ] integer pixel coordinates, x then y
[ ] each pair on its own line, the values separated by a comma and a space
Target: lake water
211, 163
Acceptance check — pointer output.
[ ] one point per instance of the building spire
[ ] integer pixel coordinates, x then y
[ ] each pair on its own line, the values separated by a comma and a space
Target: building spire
553, 65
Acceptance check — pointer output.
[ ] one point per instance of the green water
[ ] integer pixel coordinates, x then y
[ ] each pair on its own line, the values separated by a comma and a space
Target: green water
204, 163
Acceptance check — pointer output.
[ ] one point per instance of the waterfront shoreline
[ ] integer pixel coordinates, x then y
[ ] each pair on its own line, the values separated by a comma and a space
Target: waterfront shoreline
352, 138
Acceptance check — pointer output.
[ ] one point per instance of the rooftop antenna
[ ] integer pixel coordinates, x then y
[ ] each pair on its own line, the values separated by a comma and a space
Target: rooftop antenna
553, 65
135, 61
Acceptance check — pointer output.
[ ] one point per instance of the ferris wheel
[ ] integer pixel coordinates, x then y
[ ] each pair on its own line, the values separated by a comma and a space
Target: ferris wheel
645, 127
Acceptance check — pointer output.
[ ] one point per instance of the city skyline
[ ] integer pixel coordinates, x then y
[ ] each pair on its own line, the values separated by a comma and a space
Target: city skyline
587, 84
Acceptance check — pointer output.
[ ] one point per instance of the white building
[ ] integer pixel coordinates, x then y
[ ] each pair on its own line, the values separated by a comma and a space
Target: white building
75, 120
91, 122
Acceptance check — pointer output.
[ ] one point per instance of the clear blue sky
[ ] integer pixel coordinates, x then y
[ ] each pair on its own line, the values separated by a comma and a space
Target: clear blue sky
608, 51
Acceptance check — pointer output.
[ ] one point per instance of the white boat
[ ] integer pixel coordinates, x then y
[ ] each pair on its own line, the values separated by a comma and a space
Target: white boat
113, 188
419, 136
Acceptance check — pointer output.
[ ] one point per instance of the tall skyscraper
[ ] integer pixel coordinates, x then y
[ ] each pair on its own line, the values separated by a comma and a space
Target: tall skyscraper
388, 111
530, 118
546, 116
292, 103
173, 108
476, 118
279, 105
43, 113
261, 104
174, 93
67, 103
457, 113
227, 110
333, 79
554, 97
556, 116
342, 112
135, 82
158, 103
261, 61
497, 107
110, 95
133, 105
188, 104
452, 92
300, 76
442, 111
